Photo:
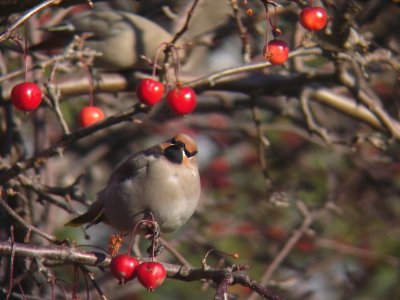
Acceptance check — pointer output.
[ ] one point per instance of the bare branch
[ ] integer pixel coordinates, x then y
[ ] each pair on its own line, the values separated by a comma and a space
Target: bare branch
246, 49
73, 255
28, 226
66, 141
21, 20
290, 243
185, 26
312, 124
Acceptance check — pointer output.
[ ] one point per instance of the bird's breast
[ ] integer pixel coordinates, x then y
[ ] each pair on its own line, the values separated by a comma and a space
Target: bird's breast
170, 191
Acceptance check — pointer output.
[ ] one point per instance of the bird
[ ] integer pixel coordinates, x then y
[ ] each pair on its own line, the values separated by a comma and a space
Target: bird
162, 181
121, 38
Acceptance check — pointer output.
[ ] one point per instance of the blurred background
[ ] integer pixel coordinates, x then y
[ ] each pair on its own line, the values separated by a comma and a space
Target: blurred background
309, 201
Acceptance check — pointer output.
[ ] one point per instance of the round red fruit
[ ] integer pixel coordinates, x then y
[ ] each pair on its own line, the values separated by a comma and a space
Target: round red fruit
150, 91
151, 274
124, 267
26, 96
182, 100
276, 52
313, 18
90, 115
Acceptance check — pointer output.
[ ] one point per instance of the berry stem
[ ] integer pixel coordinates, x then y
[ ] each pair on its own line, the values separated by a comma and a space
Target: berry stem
204, 260
267, 25
163, 44
273, 20
131, 238
175, 58
25, 53
91, 94
152, 222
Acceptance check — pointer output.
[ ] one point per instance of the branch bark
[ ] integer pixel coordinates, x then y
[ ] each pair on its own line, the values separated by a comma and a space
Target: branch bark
70, 255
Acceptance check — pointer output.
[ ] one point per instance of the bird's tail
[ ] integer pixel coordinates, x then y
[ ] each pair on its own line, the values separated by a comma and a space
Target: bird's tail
93, 216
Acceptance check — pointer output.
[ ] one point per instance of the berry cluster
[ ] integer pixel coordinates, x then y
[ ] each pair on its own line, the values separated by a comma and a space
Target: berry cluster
124, 267
181, 100
150, 274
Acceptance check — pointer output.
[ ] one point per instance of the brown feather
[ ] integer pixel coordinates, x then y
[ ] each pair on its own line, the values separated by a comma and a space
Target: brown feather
93, 216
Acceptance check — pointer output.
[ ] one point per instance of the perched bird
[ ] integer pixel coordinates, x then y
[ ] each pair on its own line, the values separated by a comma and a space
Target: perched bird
121, 37
162, 181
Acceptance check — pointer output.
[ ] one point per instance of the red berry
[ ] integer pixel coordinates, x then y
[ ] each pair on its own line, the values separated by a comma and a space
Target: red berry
123, 267
150, 91
182, 100
276, 52
26, 96
151, 274
306, 244
90, 115
313, 18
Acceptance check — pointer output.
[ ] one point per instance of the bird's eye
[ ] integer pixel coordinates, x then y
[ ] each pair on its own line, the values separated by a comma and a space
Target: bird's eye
174, 154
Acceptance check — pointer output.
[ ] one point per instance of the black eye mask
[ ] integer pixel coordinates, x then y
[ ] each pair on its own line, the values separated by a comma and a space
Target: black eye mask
190, 154
174, 154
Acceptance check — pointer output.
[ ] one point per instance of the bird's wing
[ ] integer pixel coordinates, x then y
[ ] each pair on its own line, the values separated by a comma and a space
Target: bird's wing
134, 165
93, 216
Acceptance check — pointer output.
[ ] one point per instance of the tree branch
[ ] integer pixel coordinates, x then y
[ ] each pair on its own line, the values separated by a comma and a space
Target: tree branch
21, 20
28, 226
66, 141
98, 259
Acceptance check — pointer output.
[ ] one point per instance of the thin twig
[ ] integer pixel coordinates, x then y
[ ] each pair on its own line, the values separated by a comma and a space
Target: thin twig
38, 189
66, 141
69, 54
209, 80
311, 123
175, 253
11, 274
246, 49
344, 249
41, 268
185, 26
28, 226
350, 82
21, 20
54, 95
263, 143
90, 275
290, 243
